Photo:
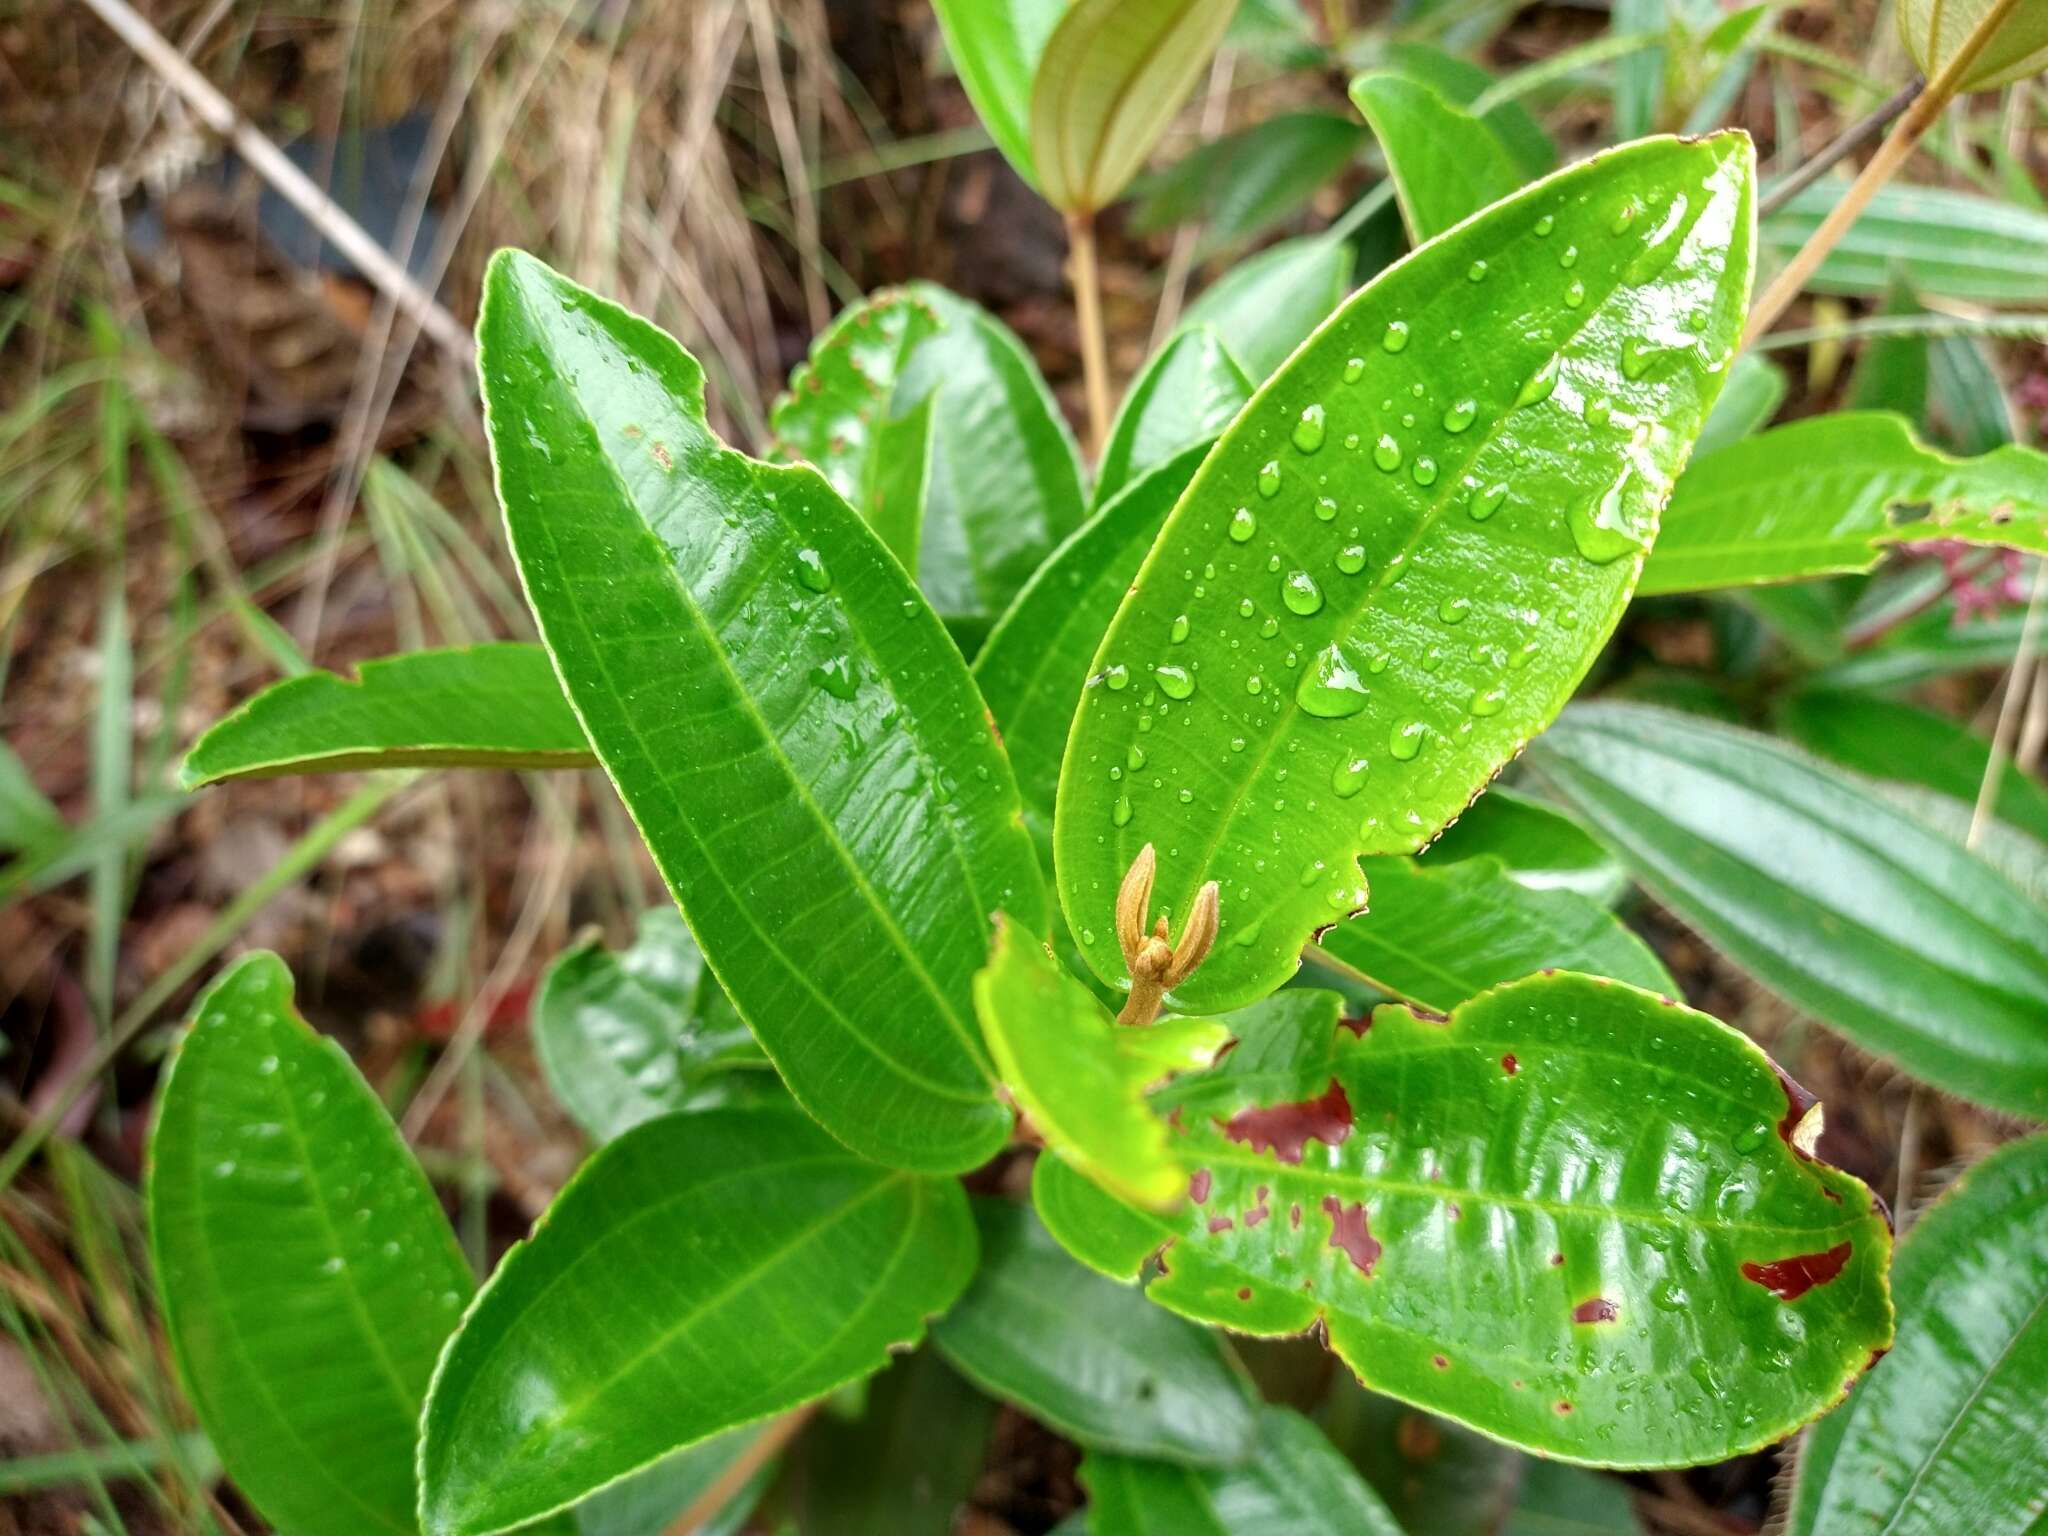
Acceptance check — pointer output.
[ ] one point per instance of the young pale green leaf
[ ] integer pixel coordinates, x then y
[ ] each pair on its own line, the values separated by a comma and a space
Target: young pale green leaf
1542, 848
1397, 564
1625, 1181
483, 706
1294, 1485
1862, 915
1819, 498
1265, 306
1187, 393
1243, 184
628, 1036
700, 1272
1113, 75
1955, 244
1945, 1436
1438, 934
307, 1276
1091, 1358
1077, 1075
1883, 739
1036, 659
1936, 31
1446, 163
838, 415
996, 49
729, 633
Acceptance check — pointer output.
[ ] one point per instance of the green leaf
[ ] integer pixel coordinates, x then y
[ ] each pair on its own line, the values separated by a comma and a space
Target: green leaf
1820, 497
1187, 393
1892, 373
483, 706
1638, 76
1935, 32
1541, 848
625, 1037
307, 1276
1462, 83
1438, 934
1946, 1435
1295, 1485
1888, 740
1446, 163
1265, 306
1966, 400
1077, 1075
700, 1272
1859, 914
26, 815
1113, 75
1363, 653
996, 49
1936, 645
1954, 244
1614, 1173
729, 633
1243, 184
1560, 1500
1089, 1358
651, 1501
1756, 388
1036, 659
838, 415
1434, 1475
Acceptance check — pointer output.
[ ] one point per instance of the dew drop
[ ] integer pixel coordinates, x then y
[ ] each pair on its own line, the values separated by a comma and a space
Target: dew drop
1255, 684
1308, 433
1179, 632
810, 570
1489, 701
836, 677
1354, 370
1117, 678
1405, 741
1568, 257
1269, 629
1396, 339
1301, 594
1269, 479
1542, 383
1601, 529
1312, 873
1476, 273
1545, 225
1486, 500
1348, 778
1625, 217
1175, 682
1599, 411
1351, 559
1243, 524
1575, 296
1461, 415
1386, 453
1453, 610
1425, 471
1244, 608
1135, 758
1120, 813
1330, 689
1638, 354
1326, 509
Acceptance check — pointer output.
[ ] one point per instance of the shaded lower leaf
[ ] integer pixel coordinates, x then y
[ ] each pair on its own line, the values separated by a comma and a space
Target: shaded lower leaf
1667, 1278
1863, 916
1463, 83
1187, 393
1243, 184
1939, 644
1756, 388
1541, 847
996, 49
1446, 163
1560, 1500
307, 1276
1266, 305
1090, 1358
1946, 1434
26, 815
651, 1501
1435, 1475
1960, 245
482, 706
700, 1272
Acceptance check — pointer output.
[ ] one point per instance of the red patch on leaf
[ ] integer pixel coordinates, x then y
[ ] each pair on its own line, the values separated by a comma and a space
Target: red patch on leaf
1790, 1279
1198, 1185
1351, 1232
1509, 1065
1259, 1212
1285, 1129
1244, 1293
1556, 1259
1297, 1216
1797, 1102
1220, 1224
1598, 1309
1358, 1026
1440, 1362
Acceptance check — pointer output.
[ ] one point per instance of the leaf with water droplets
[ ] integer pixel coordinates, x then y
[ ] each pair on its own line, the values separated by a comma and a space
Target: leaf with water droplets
307, 1275
1457, 561
1187, 393
1446, 163
708, 616
1622, 1178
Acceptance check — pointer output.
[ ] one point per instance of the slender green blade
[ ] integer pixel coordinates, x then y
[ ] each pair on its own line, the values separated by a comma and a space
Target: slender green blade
1187, 393
1863, 916
996, 49
27, 817
1571, 1215
700, 1272
1265, 306
1091, 1358
1821, 497
307, 1276
1439, 934
1403, 556
1446, 163
1939, 644
730, 633
482, 706
1946, 1436
1954, 244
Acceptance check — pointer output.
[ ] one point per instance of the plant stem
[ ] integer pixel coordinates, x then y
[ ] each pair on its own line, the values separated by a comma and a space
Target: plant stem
1088, 313
1851, 139
2018, 684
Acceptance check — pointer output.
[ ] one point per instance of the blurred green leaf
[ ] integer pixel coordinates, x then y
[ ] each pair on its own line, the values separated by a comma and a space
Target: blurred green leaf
1188, 391
996, 49
1244, 184
1936, 31
26, 815
1446, 163
1755, 389
1955, 244
1266, 305
1541, 847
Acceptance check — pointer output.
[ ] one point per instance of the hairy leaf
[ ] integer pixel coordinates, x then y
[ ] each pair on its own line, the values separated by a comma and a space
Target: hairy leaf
1860, 914
731, 634
307, 1276
1935, 32
1265, 306
1614, 1174
1955, 244
700, 1272
1446, 163
1403, 556
483, 706
1186, 394
996, 49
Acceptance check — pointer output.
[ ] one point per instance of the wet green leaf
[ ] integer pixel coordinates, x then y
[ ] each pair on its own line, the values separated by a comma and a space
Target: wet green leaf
482, 706
1188, 392
1438, 934
1945, 1435
1860, 914
1402, 558
625, 1037
1542, 848
1954, 244
1935, 32
1243, 184
1820, 497
1295, 1485
1265, 306
700, 1272
1615, 1173
307, 1276
1090, 1358
1446, 163
1113, 75
996, 49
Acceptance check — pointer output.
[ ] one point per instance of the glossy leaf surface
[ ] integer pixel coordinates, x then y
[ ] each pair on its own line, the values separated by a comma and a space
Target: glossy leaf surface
1862, 915
1542, 848
1946, 1434
1403, 556
1666, 1279
1265, 306
307, 1276
1091, 1358
1446, 163
730, 633
1439, 934
1113, 74
700, 1272
1954, 244
1819, 497
1295, 1485
996, 49
485, 706
1935, 32
626, 1036
1188, 392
